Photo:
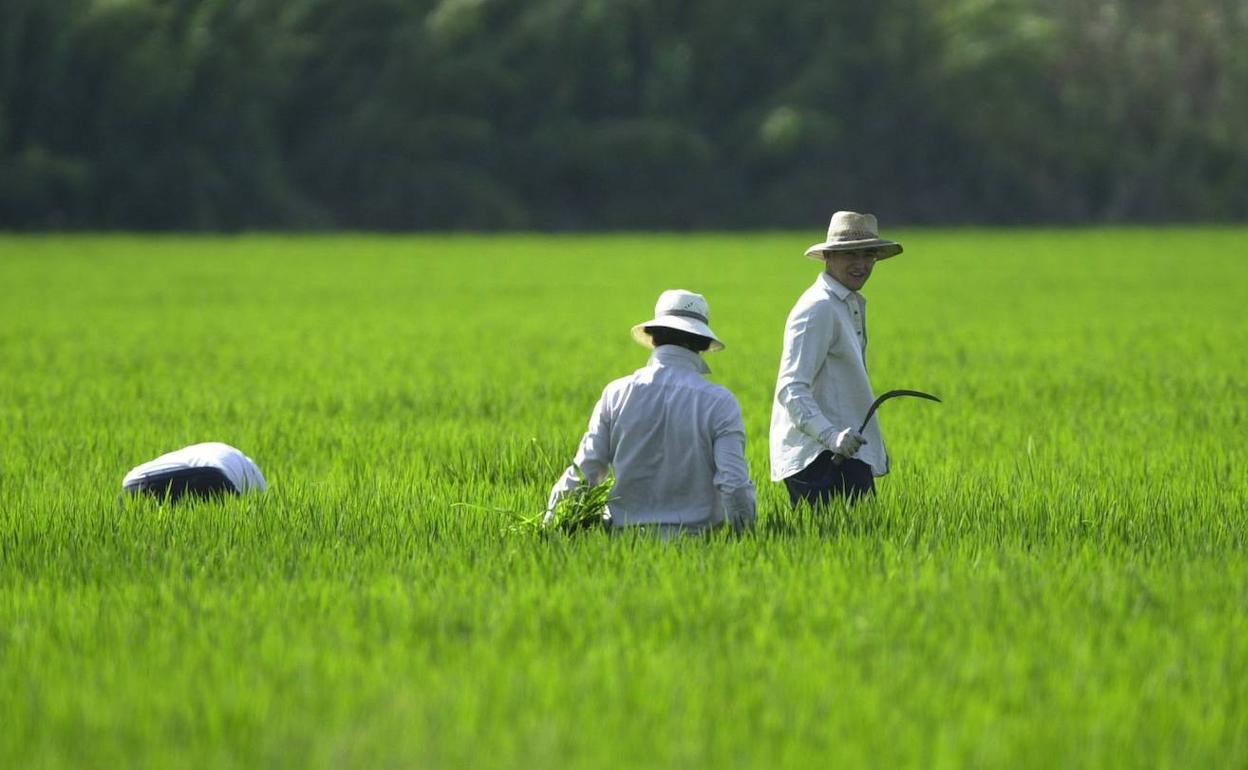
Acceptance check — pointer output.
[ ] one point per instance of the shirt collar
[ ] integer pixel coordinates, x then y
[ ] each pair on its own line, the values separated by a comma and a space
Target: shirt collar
675, 355
838, 289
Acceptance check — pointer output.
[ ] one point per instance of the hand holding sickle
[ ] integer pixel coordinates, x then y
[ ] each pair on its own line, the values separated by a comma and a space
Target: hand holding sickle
848, 441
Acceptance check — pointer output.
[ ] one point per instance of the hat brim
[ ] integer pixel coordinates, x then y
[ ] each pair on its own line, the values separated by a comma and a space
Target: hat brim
689, 325
890, 248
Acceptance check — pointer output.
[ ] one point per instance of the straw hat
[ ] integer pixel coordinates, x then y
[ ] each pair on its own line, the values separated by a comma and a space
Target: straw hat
851, 231
683, 310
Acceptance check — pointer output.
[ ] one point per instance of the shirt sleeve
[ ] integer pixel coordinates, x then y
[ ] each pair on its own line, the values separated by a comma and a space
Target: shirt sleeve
808, 336
593, 456
732, 473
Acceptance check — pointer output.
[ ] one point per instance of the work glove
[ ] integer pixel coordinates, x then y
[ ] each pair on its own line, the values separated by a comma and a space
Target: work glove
740, 508
845, 443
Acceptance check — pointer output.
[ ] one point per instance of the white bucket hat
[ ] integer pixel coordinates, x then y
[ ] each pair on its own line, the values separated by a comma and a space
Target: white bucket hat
851, 231
682, 310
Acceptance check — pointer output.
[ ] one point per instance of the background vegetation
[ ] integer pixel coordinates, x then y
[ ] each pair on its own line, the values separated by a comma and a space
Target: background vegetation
1053, 575
402, 114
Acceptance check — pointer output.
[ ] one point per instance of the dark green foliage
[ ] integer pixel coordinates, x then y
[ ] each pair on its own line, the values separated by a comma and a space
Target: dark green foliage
381, 114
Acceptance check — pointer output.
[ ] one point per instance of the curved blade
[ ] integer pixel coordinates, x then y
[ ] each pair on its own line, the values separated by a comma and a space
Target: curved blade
893, 394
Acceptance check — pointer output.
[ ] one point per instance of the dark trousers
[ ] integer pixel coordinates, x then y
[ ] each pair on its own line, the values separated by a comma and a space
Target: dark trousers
177, 483
823, 480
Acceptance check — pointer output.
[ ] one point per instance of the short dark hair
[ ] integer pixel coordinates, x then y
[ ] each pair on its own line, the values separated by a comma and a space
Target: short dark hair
662, 335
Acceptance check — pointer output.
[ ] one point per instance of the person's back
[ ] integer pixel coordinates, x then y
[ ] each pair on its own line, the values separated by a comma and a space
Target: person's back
675, 440
665, 421
198, 470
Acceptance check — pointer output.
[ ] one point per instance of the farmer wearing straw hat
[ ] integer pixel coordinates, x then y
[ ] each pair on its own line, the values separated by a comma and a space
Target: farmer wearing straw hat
676, 441
822, 390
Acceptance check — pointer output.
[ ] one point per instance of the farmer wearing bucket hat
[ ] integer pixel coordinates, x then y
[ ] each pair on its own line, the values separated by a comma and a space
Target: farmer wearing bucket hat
822, 390
675, 441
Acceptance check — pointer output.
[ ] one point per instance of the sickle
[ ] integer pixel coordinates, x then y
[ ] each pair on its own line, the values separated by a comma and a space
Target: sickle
838, 459
893, 394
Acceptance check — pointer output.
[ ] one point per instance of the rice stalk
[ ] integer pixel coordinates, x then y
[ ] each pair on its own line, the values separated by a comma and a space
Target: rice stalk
583, 507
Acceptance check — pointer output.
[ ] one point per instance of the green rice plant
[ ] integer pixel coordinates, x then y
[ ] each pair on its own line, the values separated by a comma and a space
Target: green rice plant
1053, 574
582, 508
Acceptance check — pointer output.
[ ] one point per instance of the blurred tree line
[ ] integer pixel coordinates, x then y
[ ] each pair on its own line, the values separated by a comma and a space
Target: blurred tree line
408, 114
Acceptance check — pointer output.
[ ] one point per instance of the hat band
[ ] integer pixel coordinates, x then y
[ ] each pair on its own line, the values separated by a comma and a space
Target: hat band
686, 314
854, 235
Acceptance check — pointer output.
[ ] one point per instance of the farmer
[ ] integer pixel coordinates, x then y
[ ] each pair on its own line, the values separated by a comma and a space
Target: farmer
822, 391
676, 441
199, 470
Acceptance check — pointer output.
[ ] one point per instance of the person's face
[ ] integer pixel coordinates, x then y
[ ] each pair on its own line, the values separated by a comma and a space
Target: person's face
851, 268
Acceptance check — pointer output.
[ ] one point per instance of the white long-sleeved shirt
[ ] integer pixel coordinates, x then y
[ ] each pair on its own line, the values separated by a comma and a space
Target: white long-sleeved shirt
677, 444
244, 474
823, 380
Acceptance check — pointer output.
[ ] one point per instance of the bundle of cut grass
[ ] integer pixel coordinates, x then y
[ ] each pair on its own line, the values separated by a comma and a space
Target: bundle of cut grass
584, 507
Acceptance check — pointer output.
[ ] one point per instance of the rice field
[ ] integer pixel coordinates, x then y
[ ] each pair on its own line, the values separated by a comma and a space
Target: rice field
1054, 575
